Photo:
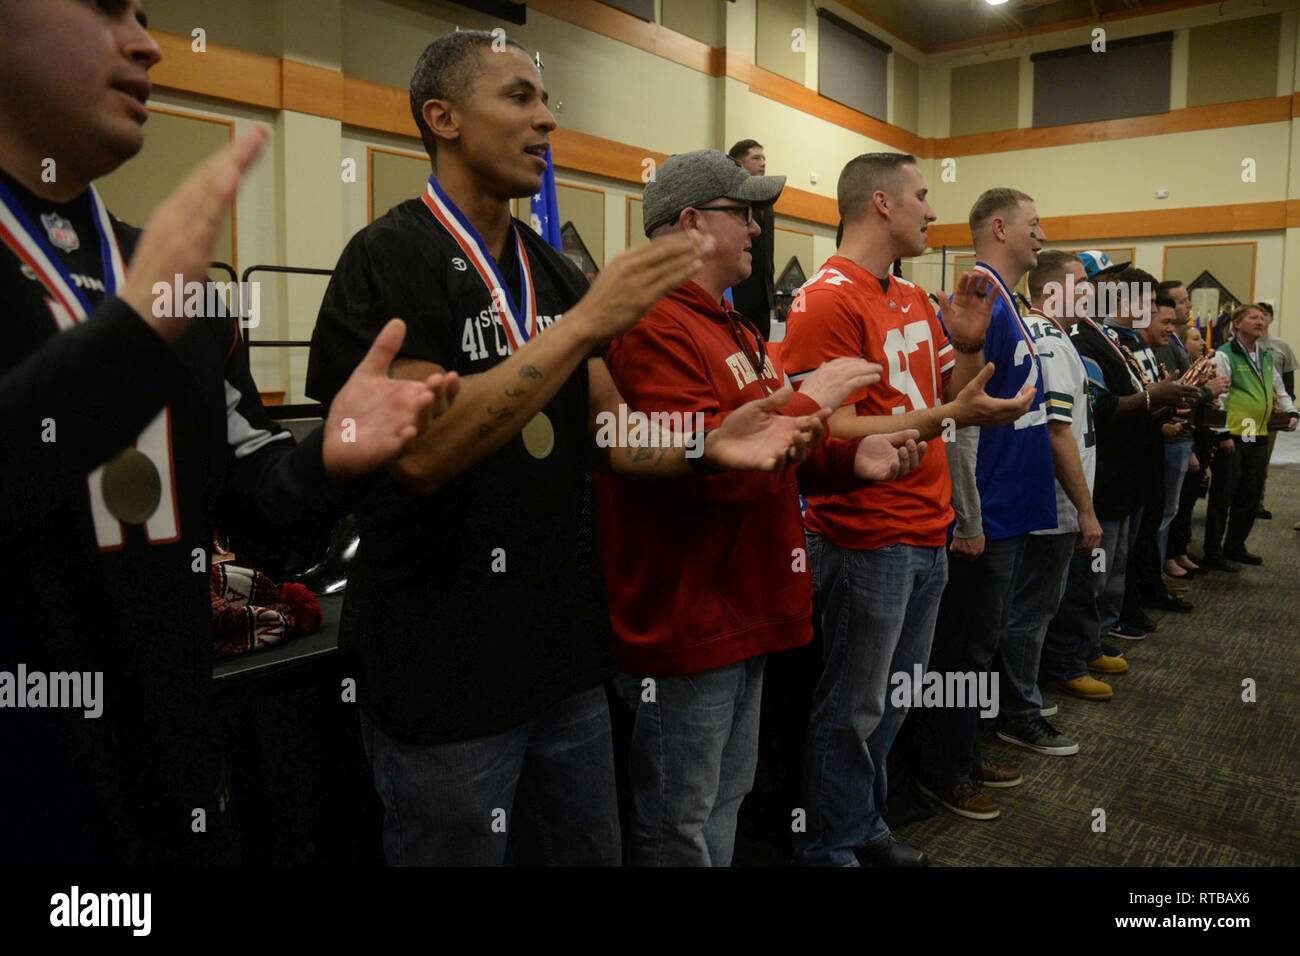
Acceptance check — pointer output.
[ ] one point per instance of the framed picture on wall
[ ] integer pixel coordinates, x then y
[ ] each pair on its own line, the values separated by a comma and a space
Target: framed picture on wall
577, 250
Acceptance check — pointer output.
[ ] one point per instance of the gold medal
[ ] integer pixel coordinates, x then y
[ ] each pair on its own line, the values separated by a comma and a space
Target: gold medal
539, 436
131, 486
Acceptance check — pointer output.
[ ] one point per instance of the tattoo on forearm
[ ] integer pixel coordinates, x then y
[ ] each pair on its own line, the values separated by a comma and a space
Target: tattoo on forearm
516, 392
529, 371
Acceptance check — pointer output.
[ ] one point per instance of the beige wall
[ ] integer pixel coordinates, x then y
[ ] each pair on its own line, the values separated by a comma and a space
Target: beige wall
1233, 61
608, 89
773, 46
984, 97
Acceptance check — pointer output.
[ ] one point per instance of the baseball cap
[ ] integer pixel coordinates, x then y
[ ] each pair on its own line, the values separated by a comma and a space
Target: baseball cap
1095, 262
699, 177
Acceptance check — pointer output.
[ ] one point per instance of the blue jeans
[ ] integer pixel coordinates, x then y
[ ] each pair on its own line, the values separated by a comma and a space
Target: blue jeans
1117, 539
452, 804
972, 616
694, 750
1039, 587
878, 615
1177, 455
1074, 634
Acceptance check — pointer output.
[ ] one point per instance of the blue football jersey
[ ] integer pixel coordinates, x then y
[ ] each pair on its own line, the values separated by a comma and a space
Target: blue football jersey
1014, 473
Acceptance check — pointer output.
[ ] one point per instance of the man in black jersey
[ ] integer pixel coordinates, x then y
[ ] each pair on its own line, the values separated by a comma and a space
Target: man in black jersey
119, 430
476, 599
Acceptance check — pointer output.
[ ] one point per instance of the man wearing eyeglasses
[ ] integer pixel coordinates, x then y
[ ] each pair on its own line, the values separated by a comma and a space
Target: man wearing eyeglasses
709, 574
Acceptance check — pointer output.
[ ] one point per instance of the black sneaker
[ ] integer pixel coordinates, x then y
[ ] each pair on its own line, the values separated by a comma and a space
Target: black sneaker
1264, 513
1168, 602
1243, 557
1139, 618
1127, 632
1048, 709
1036, 734
1110, 650
1216, 563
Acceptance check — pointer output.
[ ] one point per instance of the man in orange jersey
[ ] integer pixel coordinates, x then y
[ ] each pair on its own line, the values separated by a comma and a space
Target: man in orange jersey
878, 554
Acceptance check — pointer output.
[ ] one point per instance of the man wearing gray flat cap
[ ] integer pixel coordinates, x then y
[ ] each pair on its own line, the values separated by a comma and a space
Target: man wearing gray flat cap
708, 575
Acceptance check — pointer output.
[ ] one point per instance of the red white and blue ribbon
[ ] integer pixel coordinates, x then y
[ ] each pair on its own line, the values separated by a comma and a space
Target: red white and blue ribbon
1010, 300
520, 323
29, 243
70, 307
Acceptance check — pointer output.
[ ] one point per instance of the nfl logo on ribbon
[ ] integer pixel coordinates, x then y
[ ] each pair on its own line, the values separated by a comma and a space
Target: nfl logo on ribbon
62, 235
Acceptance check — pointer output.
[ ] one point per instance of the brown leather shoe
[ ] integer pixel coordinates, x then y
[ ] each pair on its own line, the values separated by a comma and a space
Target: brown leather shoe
962, 799
997, 775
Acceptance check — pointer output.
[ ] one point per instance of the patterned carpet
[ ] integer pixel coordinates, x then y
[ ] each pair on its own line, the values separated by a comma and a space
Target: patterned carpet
1186, 772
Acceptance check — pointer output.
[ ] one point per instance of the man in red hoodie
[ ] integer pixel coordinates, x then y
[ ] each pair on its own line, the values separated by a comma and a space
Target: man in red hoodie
708, 574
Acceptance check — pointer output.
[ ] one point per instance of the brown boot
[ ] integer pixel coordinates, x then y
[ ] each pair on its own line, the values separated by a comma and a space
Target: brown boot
997, 775
962, 799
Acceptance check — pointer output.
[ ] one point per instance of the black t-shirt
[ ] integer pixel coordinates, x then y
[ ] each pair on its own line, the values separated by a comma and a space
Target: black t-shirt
124, 600
475, 607
1125, 445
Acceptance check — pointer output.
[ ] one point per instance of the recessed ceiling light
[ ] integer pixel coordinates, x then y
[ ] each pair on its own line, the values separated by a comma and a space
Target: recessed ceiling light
995, 3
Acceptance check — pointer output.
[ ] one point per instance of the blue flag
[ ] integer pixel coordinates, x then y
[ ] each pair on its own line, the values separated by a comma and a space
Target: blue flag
545, 214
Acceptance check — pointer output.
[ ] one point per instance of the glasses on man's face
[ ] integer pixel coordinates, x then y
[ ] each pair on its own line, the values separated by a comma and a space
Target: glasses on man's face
744, 213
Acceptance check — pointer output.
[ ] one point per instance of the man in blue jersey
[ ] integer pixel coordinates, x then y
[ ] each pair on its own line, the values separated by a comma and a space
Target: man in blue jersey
1003, 488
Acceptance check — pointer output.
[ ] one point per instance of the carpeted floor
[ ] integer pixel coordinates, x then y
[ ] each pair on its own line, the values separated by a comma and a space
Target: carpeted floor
1186, 772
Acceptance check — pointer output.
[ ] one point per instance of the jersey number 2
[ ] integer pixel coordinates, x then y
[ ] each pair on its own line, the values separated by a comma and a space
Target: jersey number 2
1035, 416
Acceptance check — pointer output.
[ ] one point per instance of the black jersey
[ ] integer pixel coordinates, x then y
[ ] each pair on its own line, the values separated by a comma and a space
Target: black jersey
81, 591
477, 606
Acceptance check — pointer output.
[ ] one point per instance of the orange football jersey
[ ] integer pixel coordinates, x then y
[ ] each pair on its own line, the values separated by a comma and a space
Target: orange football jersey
846, 312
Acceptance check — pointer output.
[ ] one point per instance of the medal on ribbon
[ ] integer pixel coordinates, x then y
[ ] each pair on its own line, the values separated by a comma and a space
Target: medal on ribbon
128, 487
519, 319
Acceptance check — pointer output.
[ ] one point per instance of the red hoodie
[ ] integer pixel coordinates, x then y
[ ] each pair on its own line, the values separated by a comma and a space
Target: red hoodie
710, 570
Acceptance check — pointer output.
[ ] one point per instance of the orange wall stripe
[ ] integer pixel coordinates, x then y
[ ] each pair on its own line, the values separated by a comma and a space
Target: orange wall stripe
617, 25
223, 73
1274, 109
311, 89
375, 106
1187, 221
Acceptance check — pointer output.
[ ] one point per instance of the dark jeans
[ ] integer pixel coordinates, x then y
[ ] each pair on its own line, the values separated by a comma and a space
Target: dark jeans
972, 614
1180, 531
878, 612
453, 804
691, 761
1074, 635
1235, 488
1039, 586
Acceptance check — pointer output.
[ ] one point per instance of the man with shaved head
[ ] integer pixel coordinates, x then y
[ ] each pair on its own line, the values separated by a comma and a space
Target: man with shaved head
878, 553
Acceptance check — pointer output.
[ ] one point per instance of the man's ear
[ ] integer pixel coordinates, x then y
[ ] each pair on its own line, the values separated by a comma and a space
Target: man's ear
880, 199
443, 119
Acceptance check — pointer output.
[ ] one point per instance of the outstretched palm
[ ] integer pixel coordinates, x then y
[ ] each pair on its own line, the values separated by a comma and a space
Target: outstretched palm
757, 437
969, 308
374, 418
